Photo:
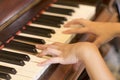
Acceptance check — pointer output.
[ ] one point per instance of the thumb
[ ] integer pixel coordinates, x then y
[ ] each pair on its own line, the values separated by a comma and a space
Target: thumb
76, 30
51, 61
76, 22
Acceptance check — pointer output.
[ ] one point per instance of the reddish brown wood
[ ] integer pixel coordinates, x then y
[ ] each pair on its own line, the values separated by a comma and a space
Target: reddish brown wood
10, 8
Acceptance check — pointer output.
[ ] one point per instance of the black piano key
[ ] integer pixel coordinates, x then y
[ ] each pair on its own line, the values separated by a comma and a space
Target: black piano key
53, 18
28, 39
21, 46
34, 31
60, 10
48, 21
47, 24
7, 70
15, 55
42, 30
12, 60
68, 3
5, 76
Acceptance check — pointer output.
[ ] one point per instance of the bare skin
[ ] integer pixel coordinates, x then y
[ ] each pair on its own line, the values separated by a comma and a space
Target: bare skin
84, 52
105, 31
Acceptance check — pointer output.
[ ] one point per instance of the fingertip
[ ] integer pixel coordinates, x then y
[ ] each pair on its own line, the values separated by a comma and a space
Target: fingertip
37, 45
40, 55
66, 25
66, 30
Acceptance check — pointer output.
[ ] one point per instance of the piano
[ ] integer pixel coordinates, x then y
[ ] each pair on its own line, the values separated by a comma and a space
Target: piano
24, 23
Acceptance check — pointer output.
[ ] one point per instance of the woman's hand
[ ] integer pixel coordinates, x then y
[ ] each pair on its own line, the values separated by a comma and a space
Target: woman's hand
63, 53
84, 52
105, 31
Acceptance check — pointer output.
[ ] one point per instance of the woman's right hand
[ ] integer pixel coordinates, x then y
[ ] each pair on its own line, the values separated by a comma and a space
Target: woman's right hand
105, 31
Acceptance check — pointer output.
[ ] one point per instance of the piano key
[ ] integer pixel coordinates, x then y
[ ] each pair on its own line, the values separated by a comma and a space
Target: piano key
33, 31
21, 72
54, 38
53, 18
11, 60
20, 77
36, 70
33, 61
22, 46
81, 12
49, 21
15, 55
60, 10
31, 72
56, 14
43, 30
48, 18
66, 38
67, 3
28, 39
5, 76
7, 69
64, 6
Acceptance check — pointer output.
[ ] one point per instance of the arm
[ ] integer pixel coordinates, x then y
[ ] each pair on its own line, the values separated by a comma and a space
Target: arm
84, 52
95, 65
105, 31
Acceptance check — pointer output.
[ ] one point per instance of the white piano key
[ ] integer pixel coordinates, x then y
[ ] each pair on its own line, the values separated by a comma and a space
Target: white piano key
63, 6
55, 38
56, 14
30, 67
84, 11
19, 77
31, 70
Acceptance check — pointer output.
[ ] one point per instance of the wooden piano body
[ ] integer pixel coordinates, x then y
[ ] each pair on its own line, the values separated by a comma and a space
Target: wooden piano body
15, 14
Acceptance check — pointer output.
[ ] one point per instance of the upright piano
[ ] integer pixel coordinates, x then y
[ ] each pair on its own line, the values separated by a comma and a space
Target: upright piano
24, 23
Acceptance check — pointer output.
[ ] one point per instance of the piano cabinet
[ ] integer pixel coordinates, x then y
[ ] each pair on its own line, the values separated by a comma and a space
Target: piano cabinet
11, 28
13, 21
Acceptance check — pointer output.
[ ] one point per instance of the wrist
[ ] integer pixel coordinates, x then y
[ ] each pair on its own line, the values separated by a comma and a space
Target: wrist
85, 51
116, 29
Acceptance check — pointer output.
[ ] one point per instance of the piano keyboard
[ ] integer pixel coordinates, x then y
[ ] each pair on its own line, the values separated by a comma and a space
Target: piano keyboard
17, 58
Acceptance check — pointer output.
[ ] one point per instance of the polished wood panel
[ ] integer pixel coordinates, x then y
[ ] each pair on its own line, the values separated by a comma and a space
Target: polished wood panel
12, 9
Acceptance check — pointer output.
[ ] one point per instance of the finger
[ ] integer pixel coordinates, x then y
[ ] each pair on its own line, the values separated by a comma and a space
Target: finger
42, 47
57, 44
41, 54
76, 30
76, 22
51, 51
51, 61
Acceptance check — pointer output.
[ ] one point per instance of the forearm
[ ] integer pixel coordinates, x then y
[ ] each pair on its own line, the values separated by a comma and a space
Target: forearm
116, 28
95, 65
